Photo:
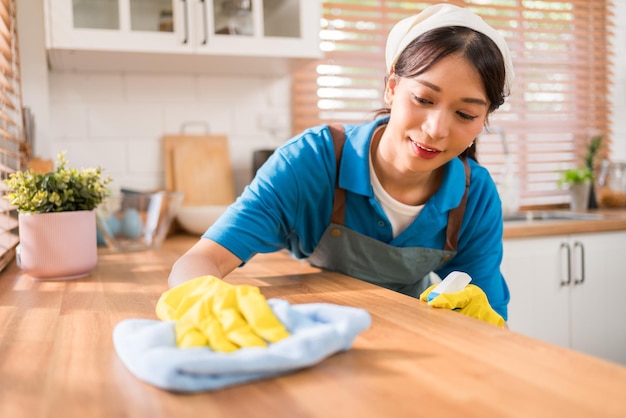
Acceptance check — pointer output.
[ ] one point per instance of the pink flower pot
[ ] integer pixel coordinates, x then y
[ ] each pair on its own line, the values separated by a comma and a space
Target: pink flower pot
58, 245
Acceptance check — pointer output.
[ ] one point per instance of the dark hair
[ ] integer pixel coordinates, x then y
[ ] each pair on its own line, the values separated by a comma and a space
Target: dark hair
429, 48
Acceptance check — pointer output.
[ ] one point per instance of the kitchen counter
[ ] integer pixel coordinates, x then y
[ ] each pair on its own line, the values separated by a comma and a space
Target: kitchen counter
612, 220
57, 357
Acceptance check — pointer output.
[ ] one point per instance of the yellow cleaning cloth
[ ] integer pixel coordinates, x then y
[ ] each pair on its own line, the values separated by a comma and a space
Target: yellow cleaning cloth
225, 317
471, 301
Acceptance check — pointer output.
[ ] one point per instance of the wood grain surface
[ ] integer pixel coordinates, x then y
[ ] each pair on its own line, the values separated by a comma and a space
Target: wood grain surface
57, 357
613, 220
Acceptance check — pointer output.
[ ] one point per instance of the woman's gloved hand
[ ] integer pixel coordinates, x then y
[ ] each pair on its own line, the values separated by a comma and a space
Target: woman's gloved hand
471, 301
225, 317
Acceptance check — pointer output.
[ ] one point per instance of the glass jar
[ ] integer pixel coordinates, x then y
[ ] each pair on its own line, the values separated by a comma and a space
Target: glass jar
611, 185
166, 21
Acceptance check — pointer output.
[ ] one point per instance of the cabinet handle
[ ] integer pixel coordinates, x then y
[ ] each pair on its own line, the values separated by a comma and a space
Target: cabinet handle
186, 22
581, 251
205, 27
568, 252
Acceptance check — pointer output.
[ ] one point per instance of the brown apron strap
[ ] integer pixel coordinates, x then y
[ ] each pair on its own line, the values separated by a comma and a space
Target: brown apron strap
339, 203
455, 217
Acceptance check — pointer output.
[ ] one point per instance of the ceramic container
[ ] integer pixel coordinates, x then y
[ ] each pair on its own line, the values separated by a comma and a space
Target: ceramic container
57, 245
579, 196
197, 219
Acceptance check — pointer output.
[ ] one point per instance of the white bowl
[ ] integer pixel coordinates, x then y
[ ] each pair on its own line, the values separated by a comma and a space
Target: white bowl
197, 219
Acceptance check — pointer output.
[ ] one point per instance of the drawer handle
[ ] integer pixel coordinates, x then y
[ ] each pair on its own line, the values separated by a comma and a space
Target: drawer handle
186, 22
568, 253
581, 251
205, 27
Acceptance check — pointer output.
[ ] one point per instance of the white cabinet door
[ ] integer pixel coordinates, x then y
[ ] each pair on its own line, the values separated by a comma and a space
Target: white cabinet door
118, 25
239, 36
568, 290
535, 269
287, 28
598, 319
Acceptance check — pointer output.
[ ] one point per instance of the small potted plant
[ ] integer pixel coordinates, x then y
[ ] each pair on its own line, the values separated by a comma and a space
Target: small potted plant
57, 219
578, 180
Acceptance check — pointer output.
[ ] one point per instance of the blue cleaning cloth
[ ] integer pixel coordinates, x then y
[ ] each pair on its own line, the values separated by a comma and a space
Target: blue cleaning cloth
318, 330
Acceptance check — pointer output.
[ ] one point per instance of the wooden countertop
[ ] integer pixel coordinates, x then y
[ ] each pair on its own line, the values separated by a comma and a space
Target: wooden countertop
613, 220
57, 357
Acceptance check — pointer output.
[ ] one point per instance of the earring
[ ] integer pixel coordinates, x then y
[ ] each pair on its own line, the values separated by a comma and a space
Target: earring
470, 145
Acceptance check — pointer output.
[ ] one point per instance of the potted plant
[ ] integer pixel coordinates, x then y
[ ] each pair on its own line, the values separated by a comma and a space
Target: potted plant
56, 219
578, 180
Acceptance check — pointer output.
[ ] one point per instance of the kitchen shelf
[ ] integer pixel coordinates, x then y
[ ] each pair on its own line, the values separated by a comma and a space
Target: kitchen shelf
188, 36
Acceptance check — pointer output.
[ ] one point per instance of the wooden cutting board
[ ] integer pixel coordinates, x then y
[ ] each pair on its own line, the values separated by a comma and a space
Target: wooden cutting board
199, 166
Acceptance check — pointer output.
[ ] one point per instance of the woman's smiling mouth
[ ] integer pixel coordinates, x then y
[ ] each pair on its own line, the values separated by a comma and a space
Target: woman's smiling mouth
423, 151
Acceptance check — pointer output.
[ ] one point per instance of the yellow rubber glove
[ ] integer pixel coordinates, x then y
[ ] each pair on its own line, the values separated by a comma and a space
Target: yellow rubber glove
259, 315
209, 311
471, 301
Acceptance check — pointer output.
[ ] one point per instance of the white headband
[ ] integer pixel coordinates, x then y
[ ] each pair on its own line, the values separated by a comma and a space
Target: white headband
438, 16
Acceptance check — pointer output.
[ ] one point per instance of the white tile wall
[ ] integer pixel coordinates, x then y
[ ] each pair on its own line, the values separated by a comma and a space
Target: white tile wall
117, 120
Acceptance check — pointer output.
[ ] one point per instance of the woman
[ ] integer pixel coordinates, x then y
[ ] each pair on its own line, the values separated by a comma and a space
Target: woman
390, 200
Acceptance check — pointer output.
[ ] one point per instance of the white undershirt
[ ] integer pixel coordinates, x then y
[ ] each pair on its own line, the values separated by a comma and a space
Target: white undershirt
399, 214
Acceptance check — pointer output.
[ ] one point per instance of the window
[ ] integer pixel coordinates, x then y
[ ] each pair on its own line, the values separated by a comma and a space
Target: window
10, 124
558, 102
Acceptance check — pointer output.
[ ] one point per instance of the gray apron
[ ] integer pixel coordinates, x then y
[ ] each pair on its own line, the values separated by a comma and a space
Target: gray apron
402, 269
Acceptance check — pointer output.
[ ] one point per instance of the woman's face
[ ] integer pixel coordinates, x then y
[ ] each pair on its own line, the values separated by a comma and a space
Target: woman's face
434, 116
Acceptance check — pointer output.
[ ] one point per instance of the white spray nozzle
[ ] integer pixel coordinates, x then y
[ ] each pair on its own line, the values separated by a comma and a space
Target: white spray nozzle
454, 282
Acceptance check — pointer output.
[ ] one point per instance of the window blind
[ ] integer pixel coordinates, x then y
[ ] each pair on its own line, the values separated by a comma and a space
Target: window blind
11, 123
558, 101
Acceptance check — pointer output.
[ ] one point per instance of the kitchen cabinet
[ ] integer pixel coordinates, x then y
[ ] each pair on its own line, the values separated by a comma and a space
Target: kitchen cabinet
568, 290
230, 36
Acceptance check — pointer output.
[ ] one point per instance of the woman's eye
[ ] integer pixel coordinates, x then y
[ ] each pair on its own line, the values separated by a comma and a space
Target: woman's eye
465, 116
421, 100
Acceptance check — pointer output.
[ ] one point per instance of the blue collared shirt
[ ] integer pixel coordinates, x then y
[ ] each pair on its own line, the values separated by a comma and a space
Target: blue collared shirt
288, 205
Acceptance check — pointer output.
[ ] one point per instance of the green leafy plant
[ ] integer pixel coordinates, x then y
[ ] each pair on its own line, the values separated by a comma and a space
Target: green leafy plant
593, 147
585, 173
574, 176
62, 190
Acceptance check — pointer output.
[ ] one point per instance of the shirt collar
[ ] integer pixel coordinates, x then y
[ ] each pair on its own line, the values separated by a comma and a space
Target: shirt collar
354, 173
452, 186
